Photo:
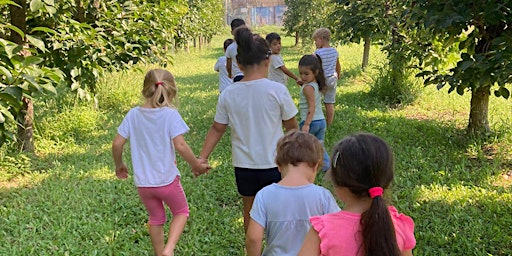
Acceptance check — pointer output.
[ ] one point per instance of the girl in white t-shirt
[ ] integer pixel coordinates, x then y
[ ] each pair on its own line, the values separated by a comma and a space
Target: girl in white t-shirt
256, 109
156, 130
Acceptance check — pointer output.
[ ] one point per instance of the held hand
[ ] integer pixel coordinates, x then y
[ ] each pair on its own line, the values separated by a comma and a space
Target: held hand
299, 82
122, 171
201, 167
305, 128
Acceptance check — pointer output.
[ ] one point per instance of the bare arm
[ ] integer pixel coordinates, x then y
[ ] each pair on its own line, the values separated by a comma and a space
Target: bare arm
117, 154
290, 124
186, 153
407, 253
289, 73
228, 67
309, 92
212, 138
338, 68
311, 244
254, 238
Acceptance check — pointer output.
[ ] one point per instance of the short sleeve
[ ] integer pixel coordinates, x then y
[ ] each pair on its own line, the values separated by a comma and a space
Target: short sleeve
288, 108
258, 212
177, 125
406, 225
231, 51
124, 127
276, 61
216, 67
221, 114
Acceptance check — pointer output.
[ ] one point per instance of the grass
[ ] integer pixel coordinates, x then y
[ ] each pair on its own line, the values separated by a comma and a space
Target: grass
65, 199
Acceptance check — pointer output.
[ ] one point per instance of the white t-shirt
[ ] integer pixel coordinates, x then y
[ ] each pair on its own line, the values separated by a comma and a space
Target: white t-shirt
231, 53
285, 229
224, 80
329, 57
151, 131
274, 71
255, 111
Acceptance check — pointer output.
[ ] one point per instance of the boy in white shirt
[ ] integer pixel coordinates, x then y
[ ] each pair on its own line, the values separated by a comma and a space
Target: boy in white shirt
220, 66
277, 71
231, 66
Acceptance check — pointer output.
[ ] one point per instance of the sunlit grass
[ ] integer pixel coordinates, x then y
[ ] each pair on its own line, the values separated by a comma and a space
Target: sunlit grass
65, 199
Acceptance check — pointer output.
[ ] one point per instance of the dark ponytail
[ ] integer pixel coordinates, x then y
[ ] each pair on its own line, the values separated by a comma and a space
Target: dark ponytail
252, 48
314, 62
360, 162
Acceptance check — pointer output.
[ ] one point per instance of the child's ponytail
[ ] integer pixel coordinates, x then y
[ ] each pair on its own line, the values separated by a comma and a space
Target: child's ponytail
252, 49
160, 88
364, 164
378, 231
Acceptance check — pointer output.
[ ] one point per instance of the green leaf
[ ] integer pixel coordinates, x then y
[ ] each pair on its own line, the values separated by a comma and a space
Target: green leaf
43, 29
49, 87
466, 64
35, 5
460, 90
75, 85
16, 29
7, 74
32, 60
4, 113
36, 42
9, 2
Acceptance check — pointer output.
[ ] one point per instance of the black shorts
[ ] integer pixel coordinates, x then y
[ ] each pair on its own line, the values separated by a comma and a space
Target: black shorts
250, 181
238, 78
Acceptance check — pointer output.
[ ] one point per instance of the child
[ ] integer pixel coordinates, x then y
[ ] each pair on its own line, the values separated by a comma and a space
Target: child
156, 130
256, 110
231, 52
282, 209
362, 168
277, 71
220, 66
310, 108
331, 67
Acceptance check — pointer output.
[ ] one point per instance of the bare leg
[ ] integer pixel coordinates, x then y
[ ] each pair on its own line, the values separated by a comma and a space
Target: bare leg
176, 228
329, 113
156, 232
247, 202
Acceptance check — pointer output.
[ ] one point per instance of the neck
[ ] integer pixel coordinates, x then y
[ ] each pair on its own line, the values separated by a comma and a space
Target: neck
255, 72
299, 175
353, 203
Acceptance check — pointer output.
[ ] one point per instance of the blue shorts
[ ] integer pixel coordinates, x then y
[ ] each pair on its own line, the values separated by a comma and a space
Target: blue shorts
250, 181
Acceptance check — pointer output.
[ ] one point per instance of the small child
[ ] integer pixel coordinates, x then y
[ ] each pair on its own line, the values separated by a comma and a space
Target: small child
282, 210
277, 71
331, 67
234, 71
156, 130
362, 168
310, 106
220, 66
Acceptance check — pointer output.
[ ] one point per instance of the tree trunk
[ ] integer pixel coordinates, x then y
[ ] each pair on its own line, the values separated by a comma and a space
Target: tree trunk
25, 126
79, 15
18, 19
25, 117
366, 52
296, 38
479, 112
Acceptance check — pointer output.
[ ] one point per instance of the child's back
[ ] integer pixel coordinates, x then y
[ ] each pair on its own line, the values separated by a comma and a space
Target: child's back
284, 212
283, 209
224, 80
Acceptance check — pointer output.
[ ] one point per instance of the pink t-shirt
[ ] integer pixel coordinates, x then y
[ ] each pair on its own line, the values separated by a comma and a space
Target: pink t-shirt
339, 232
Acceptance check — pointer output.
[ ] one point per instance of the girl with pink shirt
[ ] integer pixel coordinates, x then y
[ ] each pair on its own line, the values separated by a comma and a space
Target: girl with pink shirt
361, 169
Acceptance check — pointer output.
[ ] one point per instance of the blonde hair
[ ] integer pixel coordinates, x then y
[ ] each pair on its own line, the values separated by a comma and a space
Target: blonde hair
323, 33
299, 147
160, 88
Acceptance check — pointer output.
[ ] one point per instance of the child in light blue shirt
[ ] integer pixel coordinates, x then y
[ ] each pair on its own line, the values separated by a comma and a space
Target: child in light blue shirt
282, 210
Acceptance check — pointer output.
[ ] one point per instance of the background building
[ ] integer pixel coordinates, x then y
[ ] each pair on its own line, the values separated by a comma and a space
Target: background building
256, 12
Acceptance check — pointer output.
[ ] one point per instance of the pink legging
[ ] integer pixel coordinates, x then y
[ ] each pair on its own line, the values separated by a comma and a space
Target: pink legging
172, 195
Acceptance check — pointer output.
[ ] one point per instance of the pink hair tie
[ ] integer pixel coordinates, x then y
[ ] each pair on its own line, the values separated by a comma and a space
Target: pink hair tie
159, 83
375, 191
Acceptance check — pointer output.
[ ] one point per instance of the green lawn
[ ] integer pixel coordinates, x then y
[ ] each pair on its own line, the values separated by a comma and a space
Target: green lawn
65, 199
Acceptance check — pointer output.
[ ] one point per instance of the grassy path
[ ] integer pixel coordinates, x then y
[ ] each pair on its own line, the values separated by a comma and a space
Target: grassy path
66, 200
